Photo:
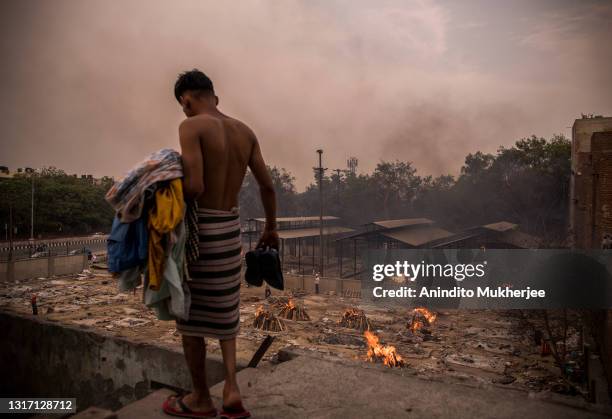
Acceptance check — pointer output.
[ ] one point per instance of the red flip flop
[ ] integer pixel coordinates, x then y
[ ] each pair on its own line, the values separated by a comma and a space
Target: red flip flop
237, 412
185, 411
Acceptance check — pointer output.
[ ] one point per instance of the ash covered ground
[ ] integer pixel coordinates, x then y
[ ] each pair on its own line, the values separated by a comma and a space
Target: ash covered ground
480, 347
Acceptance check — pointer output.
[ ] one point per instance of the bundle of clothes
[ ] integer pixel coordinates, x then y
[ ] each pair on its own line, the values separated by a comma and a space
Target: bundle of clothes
154, 234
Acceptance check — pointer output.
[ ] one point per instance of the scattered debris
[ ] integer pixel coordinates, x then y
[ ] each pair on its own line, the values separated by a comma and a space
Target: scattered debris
476, 346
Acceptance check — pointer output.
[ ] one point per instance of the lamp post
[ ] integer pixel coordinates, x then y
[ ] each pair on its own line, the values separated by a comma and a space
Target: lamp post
320, 170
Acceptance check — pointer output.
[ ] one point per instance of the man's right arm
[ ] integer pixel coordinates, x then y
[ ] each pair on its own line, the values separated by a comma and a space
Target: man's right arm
268, 195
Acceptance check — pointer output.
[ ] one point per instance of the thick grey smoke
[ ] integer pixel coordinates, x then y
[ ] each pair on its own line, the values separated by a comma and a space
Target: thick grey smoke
87, 86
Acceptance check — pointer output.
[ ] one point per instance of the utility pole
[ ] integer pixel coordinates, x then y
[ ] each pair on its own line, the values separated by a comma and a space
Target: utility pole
320, 171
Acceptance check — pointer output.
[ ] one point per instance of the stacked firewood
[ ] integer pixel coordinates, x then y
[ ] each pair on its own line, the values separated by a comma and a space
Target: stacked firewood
266, 320
351, 293
293, 311
355, 319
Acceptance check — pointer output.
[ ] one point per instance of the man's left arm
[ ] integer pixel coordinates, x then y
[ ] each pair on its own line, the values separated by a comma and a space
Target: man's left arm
193, 166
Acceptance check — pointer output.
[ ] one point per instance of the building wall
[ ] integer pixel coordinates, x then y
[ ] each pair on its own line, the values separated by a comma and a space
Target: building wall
591, 207
326, 285
602, 186
582, 196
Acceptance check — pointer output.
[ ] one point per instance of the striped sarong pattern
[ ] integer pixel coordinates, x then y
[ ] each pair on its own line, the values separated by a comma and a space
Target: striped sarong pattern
215, 277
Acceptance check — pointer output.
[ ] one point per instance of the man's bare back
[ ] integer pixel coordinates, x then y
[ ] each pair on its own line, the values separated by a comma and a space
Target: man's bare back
227, 145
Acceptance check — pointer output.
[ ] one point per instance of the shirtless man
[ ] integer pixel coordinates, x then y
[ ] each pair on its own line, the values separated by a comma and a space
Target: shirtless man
216, 151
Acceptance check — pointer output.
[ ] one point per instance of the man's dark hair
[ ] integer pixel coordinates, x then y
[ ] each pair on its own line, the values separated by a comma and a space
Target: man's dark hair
193, 80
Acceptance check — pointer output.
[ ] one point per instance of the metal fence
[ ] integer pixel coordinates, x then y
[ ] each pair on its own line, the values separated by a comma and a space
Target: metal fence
60, 247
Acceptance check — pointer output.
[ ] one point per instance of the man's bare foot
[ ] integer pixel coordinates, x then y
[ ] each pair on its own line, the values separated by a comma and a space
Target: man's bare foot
231, 395
192, 402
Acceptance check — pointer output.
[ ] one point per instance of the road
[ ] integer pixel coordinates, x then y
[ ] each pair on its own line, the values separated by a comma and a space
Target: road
25, 249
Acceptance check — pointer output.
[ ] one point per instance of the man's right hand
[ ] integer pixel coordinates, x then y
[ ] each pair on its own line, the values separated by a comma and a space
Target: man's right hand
269, 238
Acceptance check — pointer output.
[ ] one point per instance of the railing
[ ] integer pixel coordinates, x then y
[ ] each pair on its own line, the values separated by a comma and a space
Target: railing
60, 247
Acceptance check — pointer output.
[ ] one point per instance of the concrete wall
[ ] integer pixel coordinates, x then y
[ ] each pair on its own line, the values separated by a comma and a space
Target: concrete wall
41, 358
306, 283
41, 267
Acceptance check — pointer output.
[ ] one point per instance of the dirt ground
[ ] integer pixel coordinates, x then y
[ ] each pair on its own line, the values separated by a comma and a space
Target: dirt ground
488, 347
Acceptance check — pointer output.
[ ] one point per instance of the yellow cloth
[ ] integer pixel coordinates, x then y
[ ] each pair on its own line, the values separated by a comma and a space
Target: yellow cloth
163, 218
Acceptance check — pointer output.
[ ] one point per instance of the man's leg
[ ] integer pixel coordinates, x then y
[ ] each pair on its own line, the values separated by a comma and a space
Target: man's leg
194, 348
231, 392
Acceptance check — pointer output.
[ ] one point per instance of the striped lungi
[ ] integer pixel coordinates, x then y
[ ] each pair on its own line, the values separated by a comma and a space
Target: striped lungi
215, 277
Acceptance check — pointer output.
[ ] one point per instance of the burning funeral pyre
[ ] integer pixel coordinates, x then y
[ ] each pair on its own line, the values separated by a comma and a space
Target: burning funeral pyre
266, 320
385, 353
421, 317
292, 311
355, 319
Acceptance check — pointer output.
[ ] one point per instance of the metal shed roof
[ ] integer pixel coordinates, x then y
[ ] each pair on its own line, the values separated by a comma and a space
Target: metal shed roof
417, 236
295, 219
298, 233
404, 222
500, 226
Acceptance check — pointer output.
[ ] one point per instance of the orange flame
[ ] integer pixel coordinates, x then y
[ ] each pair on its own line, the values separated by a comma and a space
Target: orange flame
291, 304
416, 325
429, 316
418, 322
259, 311
387, 353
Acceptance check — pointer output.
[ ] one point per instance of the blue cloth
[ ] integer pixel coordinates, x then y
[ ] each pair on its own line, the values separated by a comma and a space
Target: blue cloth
127, 245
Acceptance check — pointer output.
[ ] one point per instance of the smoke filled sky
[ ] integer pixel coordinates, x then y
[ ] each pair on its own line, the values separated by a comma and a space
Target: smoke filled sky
87, 86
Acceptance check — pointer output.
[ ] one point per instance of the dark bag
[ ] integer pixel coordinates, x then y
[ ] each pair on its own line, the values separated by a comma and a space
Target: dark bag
264, 265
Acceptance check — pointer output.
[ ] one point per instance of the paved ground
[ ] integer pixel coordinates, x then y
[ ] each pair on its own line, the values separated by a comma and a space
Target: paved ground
307, 387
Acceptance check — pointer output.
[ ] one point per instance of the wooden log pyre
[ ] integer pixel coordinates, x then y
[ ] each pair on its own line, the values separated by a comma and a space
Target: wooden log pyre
266, 320
355, 319
293, 311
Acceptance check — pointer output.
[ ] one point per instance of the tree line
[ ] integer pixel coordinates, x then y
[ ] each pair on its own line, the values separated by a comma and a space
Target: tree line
64, 204
527, 184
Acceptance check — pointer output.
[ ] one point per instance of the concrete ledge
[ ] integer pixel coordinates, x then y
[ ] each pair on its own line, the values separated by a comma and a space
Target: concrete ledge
306, 387
42, 358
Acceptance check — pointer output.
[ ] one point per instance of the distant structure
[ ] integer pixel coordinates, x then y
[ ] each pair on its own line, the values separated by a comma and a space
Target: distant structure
351, 164
591, 182
591, 221
5, 172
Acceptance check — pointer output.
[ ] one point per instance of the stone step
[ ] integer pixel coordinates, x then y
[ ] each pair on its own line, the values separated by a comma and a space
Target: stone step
149, 407
94, 413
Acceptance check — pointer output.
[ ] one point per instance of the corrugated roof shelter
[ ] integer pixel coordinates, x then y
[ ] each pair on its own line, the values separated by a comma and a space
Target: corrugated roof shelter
413, 232
404, 222
298, 219
298, 233
418, 236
